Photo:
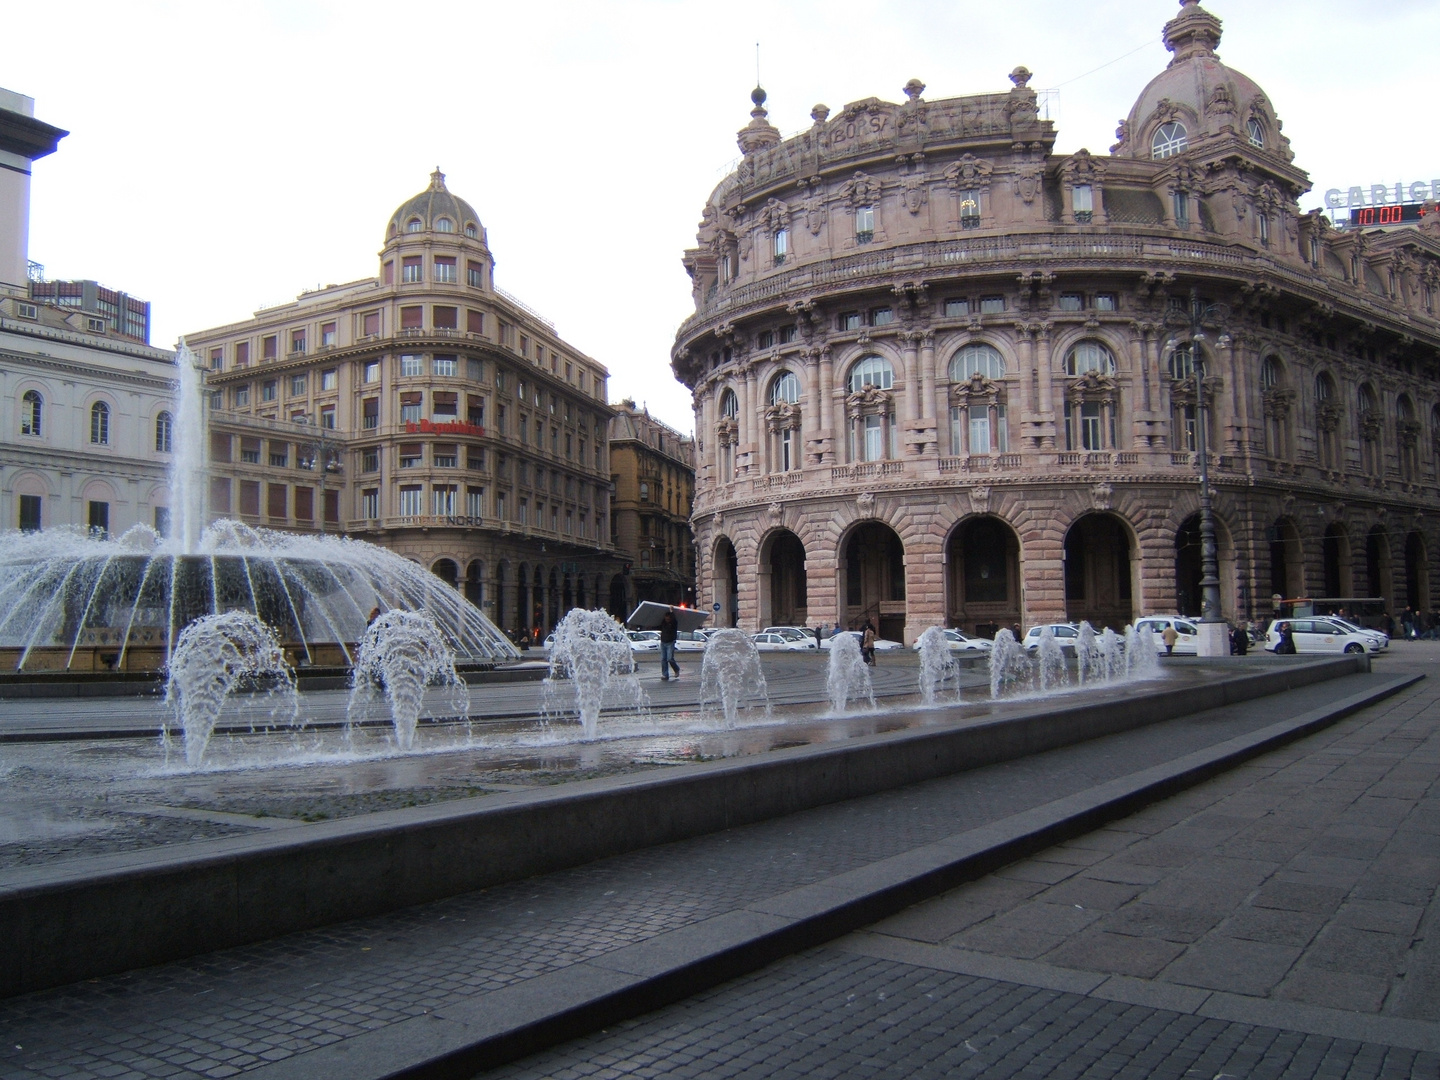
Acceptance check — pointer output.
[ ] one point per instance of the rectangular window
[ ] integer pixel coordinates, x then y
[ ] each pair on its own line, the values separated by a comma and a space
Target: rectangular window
1105, 301
1263, 220
329, 380
250, 497
475, 457
445, 456
524, 345
279, 455
444, 500
370, 324
979, 429
99, 518
371, 371
500, 424
522, 513
992, 305
474, 321
957, 308
389, 274
475, 275
766, 340
370, 459
297, 385
1090, 426
412, 455
864, 224
250, 450
270, 347
370, 414
850, 320
444, 365
882, 316
220, 495
500, 506
269, 390
1181, 202
782, 245
410, 405
475, 502
277, 500
242, 398
445, 318
217, 359
327, 417
475, 410
1072, 302
412, 318
970, 209
297, 342
410, 365
410, 269
304, 503
874, 438
327, 334
30, 507
370, 504
475, 370
445, 269
412, 501
787, 335
1083, 198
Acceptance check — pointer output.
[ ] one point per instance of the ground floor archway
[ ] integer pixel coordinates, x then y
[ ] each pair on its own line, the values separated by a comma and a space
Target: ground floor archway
1335, 561
783, 592
1417, 574
1190, 568
872, 580
447, 571
1287, 561
1379, 580
982, 574
1099, 585
727, 583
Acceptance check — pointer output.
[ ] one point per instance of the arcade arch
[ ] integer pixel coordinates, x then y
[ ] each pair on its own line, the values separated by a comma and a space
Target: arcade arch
872, 579
1287, 560
1190, 566
1335, 561
1099, 567
783, 600
982, 572
727, 583
1417, 573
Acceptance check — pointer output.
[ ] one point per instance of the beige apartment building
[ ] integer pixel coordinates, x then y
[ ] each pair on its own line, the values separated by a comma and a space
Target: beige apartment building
652, 470
425, 410
944, 374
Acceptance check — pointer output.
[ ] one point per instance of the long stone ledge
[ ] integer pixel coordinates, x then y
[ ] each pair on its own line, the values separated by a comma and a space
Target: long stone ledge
64, 922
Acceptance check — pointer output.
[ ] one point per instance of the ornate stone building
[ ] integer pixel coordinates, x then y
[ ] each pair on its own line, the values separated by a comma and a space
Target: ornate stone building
427, 411
652, 476
943, 374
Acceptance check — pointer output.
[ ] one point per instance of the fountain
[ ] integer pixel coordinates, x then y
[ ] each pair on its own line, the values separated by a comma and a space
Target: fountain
401, 654
936, 664
592, 652
1112, 656
1087, 655
730, 676
849, 677
214, 656
1142, 658
70, 600
1009, 665
1052, 662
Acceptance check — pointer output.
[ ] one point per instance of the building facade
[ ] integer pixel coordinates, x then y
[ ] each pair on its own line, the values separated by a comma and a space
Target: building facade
652, 478
87, 404
945, 375
427, 411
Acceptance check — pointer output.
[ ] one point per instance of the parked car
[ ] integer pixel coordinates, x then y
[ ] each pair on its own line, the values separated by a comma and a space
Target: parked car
1066, 634
794, 633
1187, 644
1322, 635
777, 643
1379, 635
964, 643
644, 640
689, 641
881, 644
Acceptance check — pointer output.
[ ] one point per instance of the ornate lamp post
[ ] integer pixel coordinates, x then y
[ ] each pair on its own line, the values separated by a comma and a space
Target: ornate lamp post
1198, 322
318, 442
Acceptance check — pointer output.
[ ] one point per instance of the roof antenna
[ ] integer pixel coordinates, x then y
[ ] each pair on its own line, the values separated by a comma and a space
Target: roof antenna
757, 63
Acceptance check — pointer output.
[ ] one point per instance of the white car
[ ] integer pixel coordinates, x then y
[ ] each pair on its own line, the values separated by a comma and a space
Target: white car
1322, 635
777, 643
881, 644
1066, 635
1187, 644
1379, 635
689, 641
959, 642
794, 633
644, 640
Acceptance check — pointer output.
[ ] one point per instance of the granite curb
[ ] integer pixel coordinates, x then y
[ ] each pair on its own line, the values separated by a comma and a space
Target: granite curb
457, 1041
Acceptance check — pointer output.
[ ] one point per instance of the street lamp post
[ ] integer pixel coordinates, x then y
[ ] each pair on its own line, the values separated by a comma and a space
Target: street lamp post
1214, 637
319, 447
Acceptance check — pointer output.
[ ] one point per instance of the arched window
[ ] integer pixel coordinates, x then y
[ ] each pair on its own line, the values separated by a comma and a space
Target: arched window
1269, 373
472, 230
1182, 362
100, 424
444, 224
1169, 139
414, 225
1087, 356
1407, 437
870, 371
1257, 134
32, 407
729, 405
164, 426
977, 359
785, 388
1324, 388
1366, 401
1368, 411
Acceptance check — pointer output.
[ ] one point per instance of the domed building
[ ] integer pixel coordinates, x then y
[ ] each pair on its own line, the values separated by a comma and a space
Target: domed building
943, 374
426, 410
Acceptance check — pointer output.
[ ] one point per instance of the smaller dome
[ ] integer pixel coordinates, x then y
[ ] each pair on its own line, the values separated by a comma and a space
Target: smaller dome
436, 210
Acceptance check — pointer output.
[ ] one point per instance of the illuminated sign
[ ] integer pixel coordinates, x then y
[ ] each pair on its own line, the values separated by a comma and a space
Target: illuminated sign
1383, 194
1394, 214
429, 427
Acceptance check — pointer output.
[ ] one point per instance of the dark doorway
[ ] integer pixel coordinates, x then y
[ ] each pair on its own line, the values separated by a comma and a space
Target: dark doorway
874, 579
1097, 572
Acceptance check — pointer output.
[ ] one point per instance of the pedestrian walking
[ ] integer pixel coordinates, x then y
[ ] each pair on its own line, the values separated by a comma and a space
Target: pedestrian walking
817, 637
669, 630
1240, 640
1286, 645
867, 645
1169, 637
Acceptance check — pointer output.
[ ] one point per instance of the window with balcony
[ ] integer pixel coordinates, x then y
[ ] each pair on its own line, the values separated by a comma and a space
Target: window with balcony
297, 341
1083, 200
444, 499
370, 323
412, 501
970, 209
241, 397
370, 504
412, 318
279, 455
217, 359
445, 318
269, 347
249, 451
475, 502
864, 224
781, 245
370, 414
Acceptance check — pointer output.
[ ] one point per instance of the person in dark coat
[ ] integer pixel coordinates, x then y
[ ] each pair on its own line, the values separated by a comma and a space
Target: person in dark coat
1240, 640
669, 630
1286, 645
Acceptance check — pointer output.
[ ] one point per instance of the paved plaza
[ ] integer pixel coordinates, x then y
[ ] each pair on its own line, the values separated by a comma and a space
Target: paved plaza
1156, 945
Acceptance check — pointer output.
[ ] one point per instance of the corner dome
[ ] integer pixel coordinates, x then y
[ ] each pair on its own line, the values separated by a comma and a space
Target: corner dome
433, 210
1199, 93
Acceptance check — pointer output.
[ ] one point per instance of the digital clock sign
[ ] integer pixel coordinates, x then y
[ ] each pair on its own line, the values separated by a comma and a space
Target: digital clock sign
1394, 214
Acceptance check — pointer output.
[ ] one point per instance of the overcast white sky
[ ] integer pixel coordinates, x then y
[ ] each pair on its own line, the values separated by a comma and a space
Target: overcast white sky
226, 156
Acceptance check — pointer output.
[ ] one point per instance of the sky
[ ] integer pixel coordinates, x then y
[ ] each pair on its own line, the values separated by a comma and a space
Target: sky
227, 156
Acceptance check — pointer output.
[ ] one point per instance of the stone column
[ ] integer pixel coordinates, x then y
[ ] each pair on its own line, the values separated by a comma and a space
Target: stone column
810, 412
928, 405
1047, 399
913, 395
827, 404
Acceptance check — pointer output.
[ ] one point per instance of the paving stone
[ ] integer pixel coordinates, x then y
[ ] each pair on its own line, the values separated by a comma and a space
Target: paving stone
1221, 963
1159, 921
1353, 991
1115, 954
1273, 925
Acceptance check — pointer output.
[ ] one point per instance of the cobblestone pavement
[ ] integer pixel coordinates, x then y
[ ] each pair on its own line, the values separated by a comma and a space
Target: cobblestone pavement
1299, 893
226, 1013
